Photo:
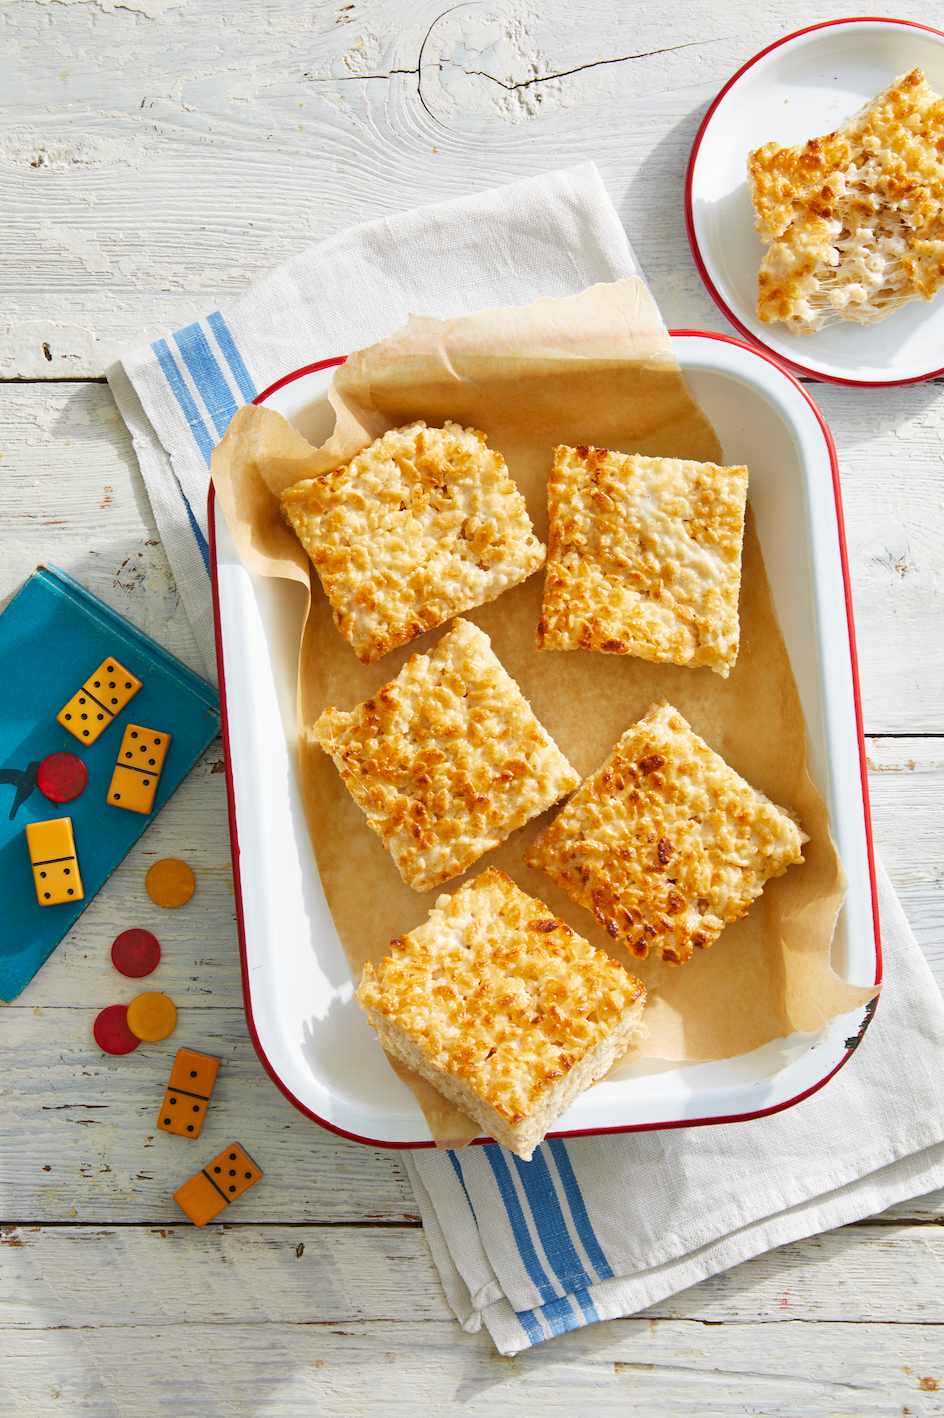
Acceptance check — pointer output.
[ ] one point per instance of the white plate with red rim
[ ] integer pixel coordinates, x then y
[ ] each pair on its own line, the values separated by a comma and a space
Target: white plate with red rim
804, 86
309, 1033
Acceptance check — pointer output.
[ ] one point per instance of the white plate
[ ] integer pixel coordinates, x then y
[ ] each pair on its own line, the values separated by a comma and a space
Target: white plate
802, 87
309, 1033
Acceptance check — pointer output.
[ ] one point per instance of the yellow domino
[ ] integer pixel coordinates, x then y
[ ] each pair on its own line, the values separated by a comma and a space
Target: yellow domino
55, 865
138, 770
103, 695
221, 1182
188, 1093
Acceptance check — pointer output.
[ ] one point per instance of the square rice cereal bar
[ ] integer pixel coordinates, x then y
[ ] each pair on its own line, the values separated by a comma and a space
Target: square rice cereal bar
447, 759
644, 557
423, 524
665, 843
503, 1008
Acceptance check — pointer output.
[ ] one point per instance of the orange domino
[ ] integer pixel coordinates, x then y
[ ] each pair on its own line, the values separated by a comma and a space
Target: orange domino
55, 866
221, 1182
138, 769
188, 1093
103, 695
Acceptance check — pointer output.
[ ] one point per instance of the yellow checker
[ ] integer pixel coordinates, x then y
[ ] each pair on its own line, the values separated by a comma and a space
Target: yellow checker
152, 1016
222, 1181
55, 865
188, 1093
138, 769
103, 695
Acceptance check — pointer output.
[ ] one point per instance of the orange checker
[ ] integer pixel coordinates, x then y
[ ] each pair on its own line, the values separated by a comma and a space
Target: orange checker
55, 865
170, 882
138, 769
221, 1182
103, 695
188, 1093
152, 1016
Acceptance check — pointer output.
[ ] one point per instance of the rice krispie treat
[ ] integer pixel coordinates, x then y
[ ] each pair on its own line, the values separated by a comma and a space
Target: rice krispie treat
423, 524
644, 557
665, 843
503, 1008
447, 759
852, 222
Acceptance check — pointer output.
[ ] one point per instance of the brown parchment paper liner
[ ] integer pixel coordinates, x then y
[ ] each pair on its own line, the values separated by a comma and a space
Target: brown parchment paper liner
597, 368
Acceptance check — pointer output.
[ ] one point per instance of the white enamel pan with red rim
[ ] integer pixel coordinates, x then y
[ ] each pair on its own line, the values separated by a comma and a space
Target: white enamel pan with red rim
805, 86
309, 1033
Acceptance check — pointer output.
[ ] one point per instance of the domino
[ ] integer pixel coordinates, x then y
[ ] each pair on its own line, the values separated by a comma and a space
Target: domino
188, 1093
55, 865
138, 769
221, 1182
103, 695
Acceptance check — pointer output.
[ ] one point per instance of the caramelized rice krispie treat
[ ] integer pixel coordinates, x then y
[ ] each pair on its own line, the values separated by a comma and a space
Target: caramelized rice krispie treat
666, 844
644, 557
503, 1008
853, 222
423, 524
447, 759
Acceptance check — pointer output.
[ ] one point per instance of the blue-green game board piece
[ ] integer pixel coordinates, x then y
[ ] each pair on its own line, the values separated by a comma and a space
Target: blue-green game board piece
53, 635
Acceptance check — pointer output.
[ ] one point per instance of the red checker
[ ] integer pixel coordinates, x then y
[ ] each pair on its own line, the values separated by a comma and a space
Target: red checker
62, 777
135, 953
111, 1031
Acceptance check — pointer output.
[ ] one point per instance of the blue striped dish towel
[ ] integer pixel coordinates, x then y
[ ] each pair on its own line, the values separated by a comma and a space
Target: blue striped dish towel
599, 1228
553, 235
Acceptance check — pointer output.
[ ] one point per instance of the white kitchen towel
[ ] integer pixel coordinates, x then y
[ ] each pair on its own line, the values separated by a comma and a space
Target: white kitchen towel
599, 1228
546, 236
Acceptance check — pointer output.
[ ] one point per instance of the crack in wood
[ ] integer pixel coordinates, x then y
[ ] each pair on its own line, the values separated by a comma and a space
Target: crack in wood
579, 69
417, 71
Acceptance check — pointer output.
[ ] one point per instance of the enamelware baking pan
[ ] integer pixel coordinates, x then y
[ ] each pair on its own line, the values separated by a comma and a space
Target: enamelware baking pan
309, 1033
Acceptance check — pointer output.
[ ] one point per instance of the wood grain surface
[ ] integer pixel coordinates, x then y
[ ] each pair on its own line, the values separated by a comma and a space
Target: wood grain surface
157, 157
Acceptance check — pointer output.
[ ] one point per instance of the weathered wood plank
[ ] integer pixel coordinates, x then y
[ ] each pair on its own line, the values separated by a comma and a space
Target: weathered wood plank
73, 496
906, 790
402, 1369
890, 464
289, 1322
80, 1277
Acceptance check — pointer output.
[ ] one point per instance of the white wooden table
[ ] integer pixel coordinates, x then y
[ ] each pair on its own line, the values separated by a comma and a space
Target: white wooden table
155, 158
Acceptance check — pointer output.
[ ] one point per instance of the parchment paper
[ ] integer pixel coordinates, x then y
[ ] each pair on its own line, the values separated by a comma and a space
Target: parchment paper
597, 368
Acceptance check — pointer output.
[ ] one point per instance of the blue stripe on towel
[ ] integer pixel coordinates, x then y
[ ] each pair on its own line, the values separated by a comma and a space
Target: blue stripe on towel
234, 359
519, 1225
184, 398
550, 1224
202, 544
458, 1171
578, 1209
207, 375
530, 1326
561, 1317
